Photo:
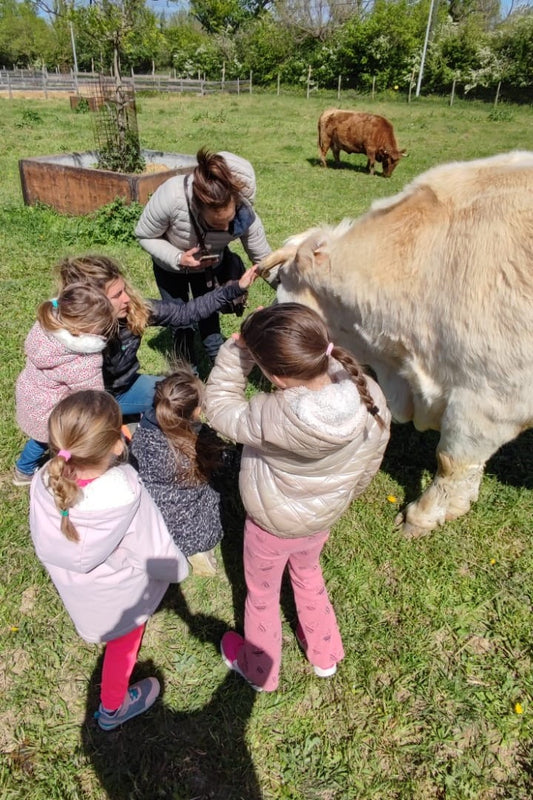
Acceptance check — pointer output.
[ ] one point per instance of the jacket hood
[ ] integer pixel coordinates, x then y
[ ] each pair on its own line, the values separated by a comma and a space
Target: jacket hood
100, 530
84, 343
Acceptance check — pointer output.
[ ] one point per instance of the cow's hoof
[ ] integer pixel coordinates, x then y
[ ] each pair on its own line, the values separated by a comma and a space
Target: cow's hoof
408, 529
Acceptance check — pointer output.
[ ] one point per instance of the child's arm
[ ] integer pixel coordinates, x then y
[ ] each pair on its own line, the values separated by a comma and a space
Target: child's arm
167, 312
226, 406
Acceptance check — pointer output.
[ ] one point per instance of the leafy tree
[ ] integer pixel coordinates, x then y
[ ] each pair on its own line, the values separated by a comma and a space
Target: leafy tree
513, 42
25, 38
382, 43
459, 51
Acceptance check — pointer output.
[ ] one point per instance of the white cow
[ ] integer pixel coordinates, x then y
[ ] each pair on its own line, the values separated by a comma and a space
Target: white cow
433, 289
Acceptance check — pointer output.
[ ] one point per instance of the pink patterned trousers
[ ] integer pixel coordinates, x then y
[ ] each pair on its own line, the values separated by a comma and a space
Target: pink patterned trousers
265, 559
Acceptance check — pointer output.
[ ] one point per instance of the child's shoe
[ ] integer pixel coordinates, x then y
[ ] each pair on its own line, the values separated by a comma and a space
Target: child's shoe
21, 478
203, 564
230, 644
139, 698
319, 671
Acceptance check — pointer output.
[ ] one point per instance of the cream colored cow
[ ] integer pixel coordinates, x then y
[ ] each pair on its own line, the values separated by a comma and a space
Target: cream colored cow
433, 288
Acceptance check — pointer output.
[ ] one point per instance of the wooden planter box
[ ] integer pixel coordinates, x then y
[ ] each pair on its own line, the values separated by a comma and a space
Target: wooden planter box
70, 183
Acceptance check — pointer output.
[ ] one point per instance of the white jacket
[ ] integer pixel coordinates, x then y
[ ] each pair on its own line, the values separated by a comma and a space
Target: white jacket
113, 579
165, 229
307, 454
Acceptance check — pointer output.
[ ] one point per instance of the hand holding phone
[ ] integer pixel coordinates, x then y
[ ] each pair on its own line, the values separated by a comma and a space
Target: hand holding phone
208, 261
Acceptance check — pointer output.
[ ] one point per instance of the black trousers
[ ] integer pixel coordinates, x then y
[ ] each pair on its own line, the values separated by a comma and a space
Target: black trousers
175, 285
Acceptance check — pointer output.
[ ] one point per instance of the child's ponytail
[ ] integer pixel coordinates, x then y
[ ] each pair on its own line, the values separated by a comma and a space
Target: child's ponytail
83, 430
175, 400
292, 340
79, 308
352, 367
62, 482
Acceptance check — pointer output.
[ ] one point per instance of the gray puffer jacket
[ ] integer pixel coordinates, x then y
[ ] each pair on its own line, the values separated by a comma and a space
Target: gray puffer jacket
307, 454
165, 229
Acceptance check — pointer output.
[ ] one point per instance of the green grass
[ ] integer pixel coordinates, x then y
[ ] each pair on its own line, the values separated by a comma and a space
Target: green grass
437, 631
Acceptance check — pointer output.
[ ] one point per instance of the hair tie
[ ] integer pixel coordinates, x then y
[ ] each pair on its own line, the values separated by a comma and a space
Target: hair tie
54, 302
66, 454
64, 512
329, 348
374, 410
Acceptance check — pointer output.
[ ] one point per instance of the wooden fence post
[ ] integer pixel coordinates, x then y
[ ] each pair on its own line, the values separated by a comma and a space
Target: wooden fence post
308, 81
278, 84
238, 86
497, 94
339, 88
373, 86
251, 73
223, 81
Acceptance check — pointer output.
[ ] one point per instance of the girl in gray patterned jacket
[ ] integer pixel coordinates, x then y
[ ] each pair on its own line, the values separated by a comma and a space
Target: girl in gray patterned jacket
177, 457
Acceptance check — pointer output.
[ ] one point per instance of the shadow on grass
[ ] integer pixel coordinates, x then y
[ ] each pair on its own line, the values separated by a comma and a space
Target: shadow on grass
411, 453
348, 165
177, 754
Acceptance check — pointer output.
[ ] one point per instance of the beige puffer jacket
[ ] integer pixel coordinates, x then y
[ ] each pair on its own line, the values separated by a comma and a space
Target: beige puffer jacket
165, 229
307, 454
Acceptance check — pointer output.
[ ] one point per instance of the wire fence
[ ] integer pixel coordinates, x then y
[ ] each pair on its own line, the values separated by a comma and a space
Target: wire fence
86, 84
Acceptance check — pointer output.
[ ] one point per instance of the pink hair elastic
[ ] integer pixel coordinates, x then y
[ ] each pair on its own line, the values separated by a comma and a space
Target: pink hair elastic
329, 348
66, 454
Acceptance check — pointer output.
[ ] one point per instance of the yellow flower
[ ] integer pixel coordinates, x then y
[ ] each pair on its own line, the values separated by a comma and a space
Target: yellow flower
493, 561
392, 499
396, 87
13, 629
518, 708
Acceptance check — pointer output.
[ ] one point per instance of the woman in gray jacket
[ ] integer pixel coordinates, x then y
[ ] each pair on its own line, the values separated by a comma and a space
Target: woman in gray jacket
186, 228
309, 450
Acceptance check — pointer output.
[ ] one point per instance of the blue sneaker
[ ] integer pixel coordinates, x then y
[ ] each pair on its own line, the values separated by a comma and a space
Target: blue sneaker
139, 698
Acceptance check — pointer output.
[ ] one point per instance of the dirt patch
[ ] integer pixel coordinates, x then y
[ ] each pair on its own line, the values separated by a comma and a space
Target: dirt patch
26, 94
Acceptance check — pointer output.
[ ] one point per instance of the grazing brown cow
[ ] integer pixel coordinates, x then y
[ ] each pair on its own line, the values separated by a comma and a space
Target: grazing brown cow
433, 288
358, 132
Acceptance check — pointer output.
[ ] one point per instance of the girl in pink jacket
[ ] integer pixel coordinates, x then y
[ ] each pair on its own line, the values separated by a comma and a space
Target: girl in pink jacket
309, 449
63, 355
104, 544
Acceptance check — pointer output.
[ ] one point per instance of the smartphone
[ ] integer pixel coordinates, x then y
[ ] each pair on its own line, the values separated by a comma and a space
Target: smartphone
207, 261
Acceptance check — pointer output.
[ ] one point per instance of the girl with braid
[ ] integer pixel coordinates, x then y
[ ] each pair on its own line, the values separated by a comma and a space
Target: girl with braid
310, 448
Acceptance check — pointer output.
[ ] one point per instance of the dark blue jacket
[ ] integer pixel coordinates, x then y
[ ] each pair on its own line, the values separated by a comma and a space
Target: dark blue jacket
121, 365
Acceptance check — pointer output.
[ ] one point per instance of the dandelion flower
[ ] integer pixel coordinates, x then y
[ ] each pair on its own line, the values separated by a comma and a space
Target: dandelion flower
392, 499
518, 708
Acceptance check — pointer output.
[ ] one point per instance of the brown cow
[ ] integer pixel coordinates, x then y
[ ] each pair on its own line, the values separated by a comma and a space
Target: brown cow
358, 132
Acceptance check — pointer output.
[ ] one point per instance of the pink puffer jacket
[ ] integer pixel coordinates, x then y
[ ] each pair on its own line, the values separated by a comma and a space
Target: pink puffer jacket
57, 364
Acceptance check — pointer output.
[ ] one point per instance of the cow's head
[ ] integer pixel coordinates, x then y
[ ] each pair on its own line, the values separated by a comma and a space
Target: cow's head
389, 159
296, 262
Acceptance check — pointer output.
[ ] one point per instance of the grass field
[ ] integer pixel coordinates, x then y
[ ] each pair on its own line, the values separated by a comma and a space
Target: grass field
435, 697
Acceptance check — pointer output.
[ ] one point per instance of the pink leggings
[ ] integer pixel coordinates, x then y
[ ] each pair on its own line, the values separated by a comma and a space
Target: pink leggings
265, 559
119, 659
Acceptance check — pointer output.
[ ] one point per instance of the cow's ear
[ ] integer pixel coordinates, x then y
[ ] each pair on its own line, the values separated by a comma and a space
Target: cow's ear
320, 255
404, 153
312, 253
